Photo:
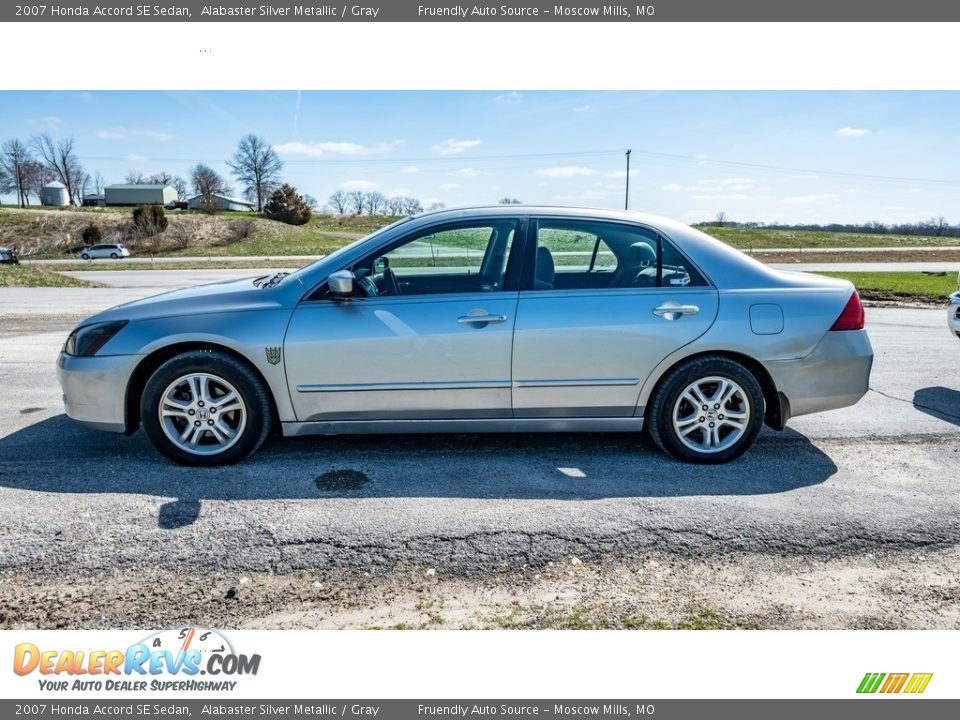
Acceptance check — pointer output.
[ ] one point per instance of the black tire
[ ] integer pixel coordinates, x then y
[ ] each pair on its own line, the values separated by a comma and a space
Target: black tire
660, 411
113, 256
84, 257
251, 389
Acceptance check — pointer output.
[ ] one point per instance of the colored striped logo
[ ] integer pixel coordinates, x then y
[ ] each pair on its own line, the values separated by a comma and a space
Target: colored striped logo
913, 683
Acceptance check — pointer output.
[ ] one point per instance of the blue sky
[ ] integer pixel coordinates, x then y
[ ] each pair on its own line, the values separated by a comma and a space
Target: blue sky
765, 156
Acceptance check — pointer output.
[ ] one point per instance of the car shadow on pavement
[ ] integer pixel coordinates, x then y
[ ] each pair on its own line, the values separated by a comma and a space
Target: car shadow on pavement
56, 455
940, 402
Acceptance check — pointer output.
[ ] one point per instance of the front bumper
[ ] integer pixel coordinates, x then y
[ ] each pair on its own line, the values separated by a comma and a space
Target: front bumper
94, 389
953, 314
835, 375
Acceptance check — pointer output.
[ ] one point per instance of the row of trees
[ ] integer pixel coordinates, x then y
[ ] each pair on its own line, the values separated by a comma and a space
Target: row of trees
935, 227
255, 165
25, 167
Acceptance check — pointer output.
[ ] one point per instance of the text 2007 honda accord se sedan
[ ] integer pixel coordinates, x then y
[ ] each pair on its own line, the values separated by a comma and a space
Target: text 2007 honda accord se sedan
510, 318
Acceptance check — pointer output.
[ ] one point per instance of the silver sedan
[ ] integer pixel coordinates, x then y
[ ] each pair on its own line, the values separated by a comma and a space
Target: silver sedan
953, 311
503, 319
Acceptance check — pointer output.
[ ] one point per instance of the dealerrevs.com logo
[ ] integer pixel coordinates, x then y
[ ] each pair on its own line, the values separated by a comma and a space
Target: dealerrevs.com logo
181, 659
892, 683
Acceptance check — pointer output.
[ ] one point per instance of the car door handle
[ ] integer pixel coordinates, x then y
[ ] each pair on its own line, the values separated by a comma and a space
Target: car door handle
671, 311
484, 319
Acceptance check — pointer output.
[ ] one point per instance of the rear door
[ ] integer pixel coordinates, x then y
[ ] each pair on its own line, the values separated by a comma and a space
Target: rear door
604, 304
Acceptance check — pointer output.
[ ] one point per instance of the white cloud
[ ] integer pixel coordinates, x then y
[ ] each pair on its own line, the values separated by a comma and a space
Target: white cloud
588, 196
702, 159
469, 172
804, 176
581, 108
672, 187
726, 196
807, 199
565, 171
452, 146
398, 192
720, 185
358, 185
86, 97
123, 133
322, 149
134, 158
48, 122
620, 174
410, 169
447, 187
510, 98
851, 132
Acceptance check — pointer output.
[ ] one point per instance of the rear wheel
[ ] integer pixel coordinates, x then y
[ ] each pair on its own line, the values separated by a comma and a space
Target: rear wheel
114, 256
707, 410
85, 256
205, 408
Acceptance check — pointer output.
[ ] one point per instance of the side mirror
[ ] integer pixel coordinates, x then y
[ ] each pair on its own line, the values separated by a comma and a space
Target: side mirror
341, 284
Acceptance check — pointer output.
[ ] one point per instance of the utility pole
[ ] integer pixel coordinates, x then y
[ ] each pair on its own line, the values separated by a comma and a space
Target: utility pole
626, 200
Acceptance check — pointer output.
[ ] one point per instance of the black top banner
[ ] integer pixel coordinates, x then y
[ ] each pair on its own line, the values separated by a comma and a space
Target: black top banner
408, 11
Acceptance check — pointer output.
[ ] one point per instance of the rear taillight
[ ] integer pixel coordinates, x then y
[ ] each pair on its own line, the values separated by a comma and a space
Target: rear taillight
852, 317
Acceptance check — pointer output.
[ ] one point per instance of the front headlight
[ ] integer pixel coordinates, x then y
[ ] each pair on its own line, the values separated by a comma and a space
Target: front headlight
87, 340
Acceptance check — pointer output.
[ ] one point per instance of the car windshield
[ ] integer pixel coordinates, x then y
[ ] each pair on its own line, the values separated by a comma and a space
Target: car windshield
342, 251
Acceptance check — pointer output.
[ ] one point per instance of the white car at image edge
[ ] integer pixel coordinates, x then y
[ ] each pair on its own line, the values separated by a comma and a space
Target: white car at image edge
953, 311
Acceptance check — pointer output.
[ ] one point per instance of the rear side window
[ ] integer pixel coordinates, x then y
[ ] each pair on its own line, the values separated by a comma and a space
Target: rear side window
586, 254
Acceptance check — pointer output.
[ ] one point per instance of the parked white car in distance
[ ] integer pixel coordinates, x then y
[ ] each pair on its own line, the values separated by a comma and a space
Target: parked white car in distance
115, 251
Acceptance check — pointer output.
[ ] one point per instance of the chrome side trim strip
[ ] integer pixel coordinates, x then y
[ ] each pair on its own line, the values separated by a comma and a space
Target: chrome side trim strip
373, 427
578, 382
365, 387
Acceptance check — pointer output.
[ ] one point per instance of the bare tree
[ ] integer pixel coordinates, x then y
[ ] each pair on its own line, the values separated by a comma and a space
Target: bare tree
37, 175
375, 203
412, 206
436, 206
257, 167
509, 201
135, 177
14, 156
358, 201
98, 183
61, 159
395, 205
207, 182
721, 219
338, 202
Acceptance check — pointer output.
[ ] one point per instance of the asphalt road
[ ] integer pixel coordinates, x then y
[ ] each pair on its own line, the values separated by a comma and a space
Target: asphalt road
878, 475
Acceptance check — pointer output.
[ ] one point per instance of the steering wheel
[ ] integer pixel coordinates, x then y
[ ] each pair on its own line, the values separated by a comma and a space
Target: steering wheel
393, 287
367, 286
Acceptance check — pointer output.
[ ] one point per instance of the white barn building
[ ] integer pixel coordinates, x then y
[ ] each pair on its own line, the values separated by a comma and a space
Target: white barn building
140, 194
221, 202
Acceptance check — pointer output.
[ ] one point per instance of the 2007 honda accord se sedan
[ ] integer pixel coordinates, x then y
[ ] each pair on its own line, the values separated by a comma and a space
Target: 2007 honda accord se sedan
502, 319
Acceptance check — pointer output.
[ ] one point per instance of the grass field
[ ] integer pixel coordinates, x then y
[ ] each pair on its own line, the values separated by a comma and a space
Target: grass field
23, 276
900, 285
763, 238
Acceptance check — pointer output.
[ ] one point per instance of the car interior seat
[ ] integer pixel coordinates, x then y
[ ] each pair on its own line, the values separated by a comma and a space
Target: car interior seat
545, 269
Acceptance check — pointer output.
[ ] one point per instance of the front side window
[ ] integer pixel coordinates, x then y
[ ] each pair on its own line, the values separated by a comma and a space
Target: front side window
586, 254
463, 258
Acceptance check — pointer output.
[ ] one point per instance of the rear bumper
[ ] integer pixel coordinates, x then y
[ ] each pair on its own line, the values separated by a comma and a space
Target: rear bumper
835, 375
94, 389
953, 314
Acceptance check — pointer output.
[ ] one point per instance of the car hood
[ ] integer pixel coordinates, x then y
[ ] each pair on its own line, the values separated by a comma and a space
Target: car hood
230, 296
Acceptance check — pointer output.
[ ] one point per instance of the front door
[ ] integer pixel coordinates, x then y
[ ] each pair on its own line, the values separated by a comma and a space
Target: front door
428, 334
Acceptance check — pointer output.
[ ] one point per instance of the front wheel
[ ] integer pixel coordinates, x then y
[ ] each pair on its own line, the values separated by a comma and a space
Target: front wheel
85, 256
205, 408
707, 410
114, 256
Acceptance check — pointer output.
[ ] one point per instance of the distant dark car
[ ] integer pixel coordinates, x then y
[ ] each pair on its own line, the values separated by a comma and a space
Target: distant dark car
8, 257
178, 205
